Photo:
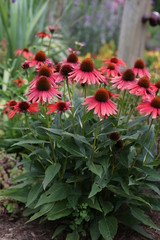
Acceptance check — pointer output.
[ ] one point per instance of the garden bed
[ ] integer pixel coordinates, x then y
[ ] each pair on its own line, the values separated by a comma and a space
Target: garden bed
16, 229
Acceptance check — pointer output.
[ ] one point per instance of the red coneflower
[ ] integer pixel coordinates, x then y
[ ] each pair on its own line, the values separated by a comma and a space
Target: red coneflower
42, 35
72, 59
101, 103
142, 87
139, 68
150, 106
52, 29
86, 73
9, 106
43, 91
58, 106
19, 81
157, 87
116, 61
123, 82
23, 107
25, 52
46, 71
111, 70
39, 59
25, 65
64, 71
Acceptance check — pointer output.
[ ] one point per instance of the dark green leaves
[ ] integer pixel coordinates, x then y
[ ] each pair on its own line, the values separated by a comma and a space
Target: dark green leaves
50, 173
108, 227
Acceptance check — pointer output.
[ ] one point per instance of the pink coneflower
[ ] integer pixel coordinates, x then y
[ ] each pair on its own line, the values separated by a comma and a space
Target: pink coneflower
63, 73
86, 73
72, 59
150, 106
43, 91
39, 60
116, 61
139, 68
111, 70
25, 52
142, 87
19, 81
52, 29
58, 106
157, 87
42, 35
123, 82
23, 107
43, 71
101, 103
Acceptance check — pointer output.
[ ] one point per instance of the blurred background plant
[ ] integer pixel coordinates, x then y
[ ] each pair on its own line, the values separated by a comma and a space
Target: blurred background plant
8, 171
91, 21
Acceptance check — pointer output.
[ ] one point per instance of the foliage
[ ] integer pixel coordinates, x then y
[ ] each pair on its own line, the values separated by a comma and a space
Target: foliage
75, 172
20, 21
78, 25
8, 171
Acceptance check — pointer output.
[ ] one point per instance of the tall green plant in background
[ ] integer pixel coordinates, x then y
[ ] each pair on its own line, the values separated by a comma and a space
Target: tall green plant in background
20, 21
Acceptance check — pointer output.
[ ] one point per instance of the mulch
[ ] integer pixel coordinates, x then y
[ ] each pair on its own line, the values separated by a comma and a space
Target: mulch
18, 229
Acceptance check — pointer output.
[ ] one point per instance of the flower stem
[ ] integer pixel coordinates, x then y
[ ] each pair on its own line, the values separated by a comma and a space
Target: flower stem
71, 105
61, 121
94, 143
124, 93
84, 107
49, 46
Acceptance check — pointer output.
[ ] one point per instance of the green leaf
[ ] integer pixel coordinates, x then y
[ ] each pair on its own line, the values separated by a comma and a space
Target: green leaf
93, 203
128, 220
72, 236
72, 148
121, 193
50, 173
106, 206
58, 230
59, 210
152, 187
125, 187
108, 227
44, 209
96, 169
57, 192
94, 230
95, 189
19, 195
29, 141
142, 217
33, 194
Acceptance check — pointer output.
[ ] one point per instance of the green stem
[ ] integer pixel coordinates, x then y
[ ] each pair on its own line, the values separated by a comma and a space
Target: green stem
49, 46
124, 93
71, 105
50, 140
126, 103
84, 107
94, 143
61, 121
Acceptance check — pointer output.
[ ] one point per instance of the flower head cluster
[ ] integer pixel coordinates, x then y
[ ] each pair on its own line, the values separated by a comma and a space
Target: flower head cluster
111, 67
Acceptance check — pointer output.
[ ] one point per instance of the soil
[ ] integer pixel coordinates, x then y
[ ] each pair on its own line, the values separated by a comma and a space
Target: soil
17, 229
